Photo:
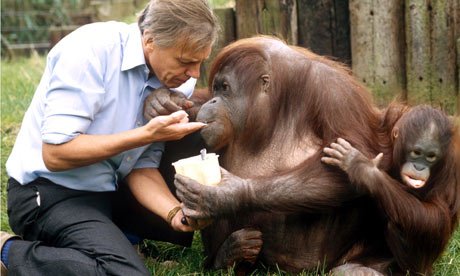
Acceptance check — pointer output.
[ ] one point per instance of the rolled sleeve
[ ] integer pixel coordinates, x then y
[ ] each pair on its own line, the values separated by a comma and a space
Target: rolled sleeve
62, 129
74, 96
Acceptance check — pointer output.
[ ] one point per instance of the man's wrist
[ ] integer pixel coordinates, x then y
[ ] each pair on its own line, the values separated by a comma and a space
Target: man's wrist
172, 213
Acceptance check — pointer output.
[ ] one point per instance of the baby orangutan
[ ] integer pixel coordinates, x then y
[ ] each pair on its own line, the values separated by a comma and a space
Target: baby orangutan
418, 196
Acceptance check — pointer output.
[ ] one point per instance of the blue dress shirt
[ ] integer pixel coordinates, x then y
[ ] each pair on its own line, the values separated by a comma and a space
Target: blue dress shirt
95, 82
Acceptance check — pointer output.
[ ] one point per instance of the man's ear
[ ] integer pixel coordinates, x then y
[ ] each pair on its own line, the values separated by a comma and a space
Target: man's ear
147, 40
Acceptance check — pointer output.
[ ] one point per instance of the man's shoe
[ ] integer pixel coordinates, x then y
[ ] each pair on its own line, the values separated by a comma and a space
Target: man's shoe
5, 236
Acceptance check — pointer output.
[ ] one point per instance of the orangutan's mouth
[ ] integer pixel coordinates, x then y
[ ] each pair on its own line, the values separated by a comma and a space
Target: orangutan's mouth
413, 181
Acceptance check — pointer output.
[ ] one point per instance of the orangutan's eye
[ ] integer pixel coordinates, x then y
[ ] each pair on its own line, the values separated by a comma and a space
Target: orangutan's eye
431, 157
415, 154
225, 86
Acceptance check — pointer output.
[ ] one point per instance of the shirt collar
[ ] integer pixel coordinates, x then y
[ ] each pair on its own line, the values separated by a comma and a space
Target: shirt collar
154, 82
133, 54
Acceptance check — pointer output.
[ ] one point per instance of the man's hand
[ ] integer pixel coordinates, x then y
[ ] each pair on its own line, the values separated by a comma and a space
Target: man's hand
163, 101
171, 127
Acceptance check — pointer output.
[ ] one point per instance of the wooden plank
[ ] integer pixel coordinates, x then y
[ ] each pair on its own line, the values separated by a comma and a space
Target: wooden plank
324, 27
341, 23
228, 28
280, 19
315, 25
30, 46
457, 36
270, 17
27, 49
246, 15
361, 33
456, 8
418, 51
388, 54
226, 19
458, 77
443, 76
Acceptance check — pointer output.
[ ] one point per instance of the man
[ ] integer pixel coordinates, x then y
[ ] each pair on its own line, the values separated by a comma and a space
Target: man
84, 132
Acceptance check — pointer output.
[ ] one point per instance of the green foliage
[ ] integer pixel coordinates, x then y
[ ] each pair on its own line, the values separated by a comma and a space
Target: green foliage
19, 79
29, 21
222, 3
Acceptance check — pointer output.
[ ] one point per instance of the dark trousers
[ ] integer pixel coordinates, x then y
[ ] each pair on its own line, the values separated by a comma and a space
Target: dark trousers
66, 232
78, 233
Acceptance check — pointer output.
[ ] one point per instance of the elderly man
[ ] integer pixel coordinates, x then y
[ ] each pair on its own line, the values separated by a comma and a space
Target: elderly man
84, 132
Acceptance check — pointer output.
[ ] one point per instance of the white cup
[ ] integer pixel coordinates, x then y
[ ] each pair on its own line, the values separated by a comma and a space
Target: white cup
206, 171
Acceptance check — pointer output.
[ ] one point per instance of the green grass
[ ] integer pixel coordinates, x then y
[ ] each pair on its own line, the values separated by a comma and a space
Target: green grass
19, 79
18, 82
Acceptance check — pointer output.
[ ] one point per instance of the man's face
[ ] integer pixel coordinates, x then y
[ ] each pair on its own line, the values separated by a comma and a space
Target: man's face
173, 66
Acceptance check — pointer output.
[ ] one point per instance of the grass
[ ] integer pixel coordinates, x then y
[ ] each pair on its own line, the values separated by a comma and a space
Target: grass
19, 79
18, 82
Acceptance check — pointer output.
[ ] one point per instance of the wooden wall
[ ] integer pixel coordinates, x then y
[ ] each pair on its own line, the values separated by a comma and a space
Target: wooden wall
406, 49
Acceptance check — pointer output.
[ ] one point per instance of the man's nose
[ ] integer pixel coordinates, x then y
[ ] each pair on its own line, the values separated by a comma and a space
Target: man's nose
193, 71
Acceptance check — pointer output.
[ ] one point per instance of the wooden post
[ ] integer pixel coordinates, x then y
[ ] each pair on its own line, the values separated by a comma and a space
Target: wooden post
390, 74
270, 17
246, 18
431, 64
377, 43
226, 19
341, 30
457, 35
315, 25
418, 51
324, 27
457, 18
443, 44
458, 77
361, 32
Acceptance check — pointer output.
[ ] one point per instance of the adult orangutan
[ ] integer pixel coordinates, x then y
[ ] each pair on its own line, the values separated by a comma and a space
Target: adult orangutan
420, 196
274, 108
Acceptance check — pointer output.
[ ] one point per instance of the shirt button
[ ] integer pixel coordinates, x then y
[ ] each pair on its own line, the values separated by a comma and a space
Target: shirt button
138, 123
129, 158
